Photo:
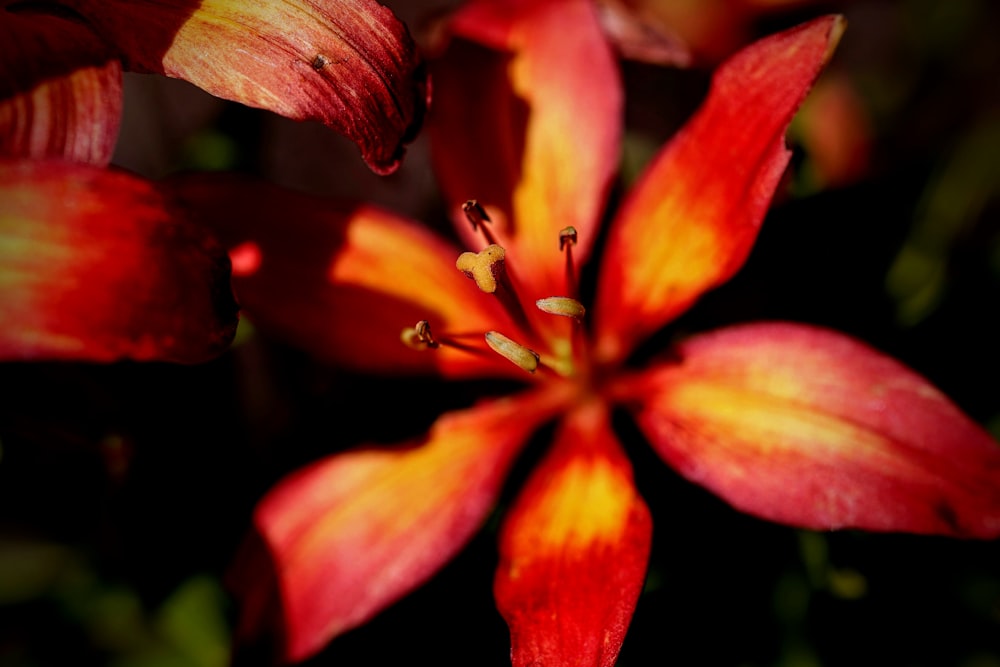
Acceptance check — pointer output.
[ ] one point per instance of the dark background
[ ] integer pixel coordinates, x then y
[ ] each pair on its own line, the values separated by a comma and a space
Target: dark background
126, 490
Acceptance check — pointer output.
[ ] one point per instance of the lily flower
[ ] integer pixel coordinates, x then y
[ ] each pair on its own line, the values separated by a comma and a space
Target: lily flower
792, 423
350, 64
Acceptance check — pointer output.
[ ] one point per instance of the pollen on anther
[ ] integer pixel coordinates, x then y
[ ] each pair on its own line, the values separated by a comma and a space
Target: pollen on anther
485, 267
514, 352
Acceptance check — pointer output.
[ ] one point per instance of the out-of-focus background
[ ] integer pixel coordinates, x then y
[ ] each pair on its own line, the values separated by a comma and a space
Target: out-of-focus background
126, 490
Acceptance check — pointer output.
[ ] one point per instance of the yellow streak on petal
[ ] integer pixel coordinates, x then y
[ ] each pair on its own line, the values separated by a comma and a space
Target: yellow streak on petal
408, 262
393, 493
673, 258
587, 502
552, 147
353, 532
386, 495
219, 19
372, 496
563, 169
750, 426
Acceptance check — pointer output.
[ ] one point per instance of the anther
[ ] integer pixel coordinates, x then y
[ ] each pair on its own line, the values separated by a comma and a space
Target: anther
485, 267
477, 217
419, 337
515, 353
562, 305
475, 212
567, 235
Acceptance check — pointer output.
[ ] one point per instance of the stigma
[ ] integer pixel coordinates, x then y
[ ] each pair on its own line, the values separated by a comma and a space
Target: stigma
485, 267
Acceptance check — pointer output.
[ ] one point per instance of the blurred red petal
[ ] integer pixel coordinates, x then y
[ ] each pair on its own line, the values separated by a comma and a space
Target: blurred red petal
836, 131
98, 265
689, 222
351, 64
640, 35
574, 550
60, 89
353, 533
532, 130
715, 29
303, 261
808, 427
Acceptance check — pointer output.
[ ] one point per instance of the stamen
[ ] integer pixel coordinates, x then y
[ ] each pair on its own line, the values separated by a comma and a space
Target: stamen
562, 305
419, 337
485, 267
567, 239
515, 353
477, 216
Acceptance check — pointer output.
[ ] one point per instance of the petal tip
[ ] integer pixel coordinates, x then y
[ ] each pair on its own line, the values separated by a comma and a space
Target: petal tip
838, 24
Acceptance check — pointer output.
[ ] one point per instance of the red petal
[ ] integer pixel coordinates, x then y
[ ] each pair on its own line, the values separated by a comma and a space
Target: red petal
689, 223
353, 533
61, 90
349, 64
574, 550
302, 262
639, 35
97, 265
808, 427
532, 132
835, 129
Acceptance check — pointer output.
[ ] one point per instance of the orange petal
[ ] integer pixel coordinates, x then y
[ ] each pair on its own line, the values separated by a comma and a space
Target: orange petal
807, 427
689, 223
532, 132
343, 280
353, 533
97, 265
61, 93
574, 550
349, 64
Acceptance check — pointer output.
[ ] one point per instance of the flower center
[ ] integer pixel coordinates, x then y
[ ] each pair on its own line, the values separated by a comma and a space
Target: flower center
488, 269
